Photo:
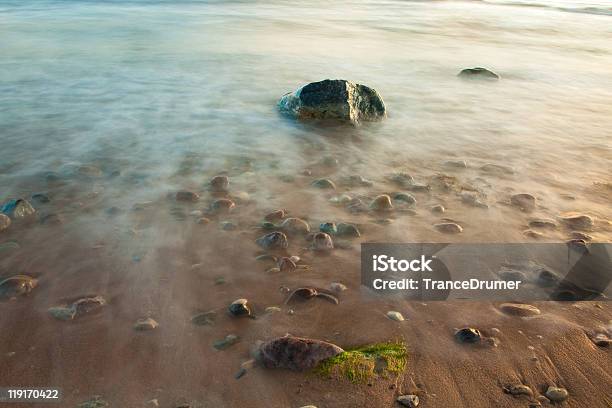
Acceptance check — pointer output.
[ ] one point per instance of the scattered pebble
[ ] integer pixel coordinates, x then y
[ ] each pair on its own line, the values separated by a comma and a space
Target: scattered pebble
455, 164
78, 307
322, 242
341, 199
524, 201
275, 215
219, 183
411, 401
405, 198
222, 205
438, 209
204, 319
577, 221
529, 233
468, 335
203, 221
187, 196
145, 324
16, 286
229, 340
228, 226
381, 203
328, 228
519, 309
473, 200
295, 225
240, 307
324, 184
544, 223
337, 287
557, 394
397, 316
449, 228
18, 209
5, 222
348, 230
519, 389
273, 240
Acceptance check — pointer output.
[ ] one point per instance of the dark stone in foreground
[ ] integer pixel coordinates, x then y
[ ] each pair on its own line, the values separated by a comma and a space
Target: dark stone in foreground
335, 99
295, 353
478, 73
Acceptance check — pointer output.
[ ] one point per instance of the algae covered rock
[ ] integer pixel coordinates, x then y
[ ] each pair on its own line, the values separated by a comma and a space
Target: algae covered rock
334, 99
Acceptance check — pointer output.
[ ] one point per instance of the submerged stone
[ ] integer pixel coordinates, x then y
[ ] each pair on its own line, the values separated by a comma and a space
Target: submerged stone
543, 223
295, 353
275, 215
328, 228
187, 196
240, 307
449, 228
519, 309
348, 230
405, 197
18, 209
556, 394
324, 184
478, 73
223, 205
397, 316
229, 340
5, 222
145, 324
16, 286
337, 100
219, 183
577, 221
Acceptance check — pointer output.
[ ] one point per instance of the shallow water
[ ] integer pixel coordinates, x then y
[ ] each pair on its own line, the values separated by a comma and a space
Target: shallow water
155, 97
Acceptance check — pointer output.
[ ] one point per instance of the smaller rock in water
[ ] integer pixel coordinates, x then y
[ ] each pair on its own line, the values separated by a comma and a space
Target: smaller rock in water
397, 316
478, 73
295, 225
557, 394
324, 184
381, 203
449, 228
411, 401
348, 230
5, 222
229, 340
473, 200
295, 353
468, 335
524, 201
455, 164
18, 209
219, 183
402, 179
187, 196
519, 309
145, 324
273, 240
322, 242
228, 226
601, 340
341, 199
438, 209
577, 221
357, 181
497, 169
240, 307
40, 198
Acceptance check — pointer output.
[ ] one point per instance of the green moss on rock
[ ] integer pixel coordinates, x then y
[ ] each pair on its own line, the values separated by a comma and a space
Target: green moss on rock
363, 363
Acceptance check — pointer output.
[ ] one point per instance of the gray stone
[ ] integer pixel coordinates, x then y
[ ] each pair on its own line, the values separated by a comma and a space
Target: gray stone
337, 100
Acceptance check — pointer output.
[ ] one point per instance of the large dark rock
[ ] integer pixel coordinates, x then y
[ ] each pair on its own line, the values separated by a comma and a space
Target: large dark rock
295, 353
334, 99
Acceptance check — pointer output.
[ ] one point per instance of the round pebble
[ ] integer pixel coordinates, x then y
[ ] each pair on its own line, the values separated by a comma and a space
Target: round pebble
468, 335
397, 316
296, 225
381, 203
449, 228
556, 394
219, 183
145, 324
5, 222
411, 401
519, 309
524, 201
324, 184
